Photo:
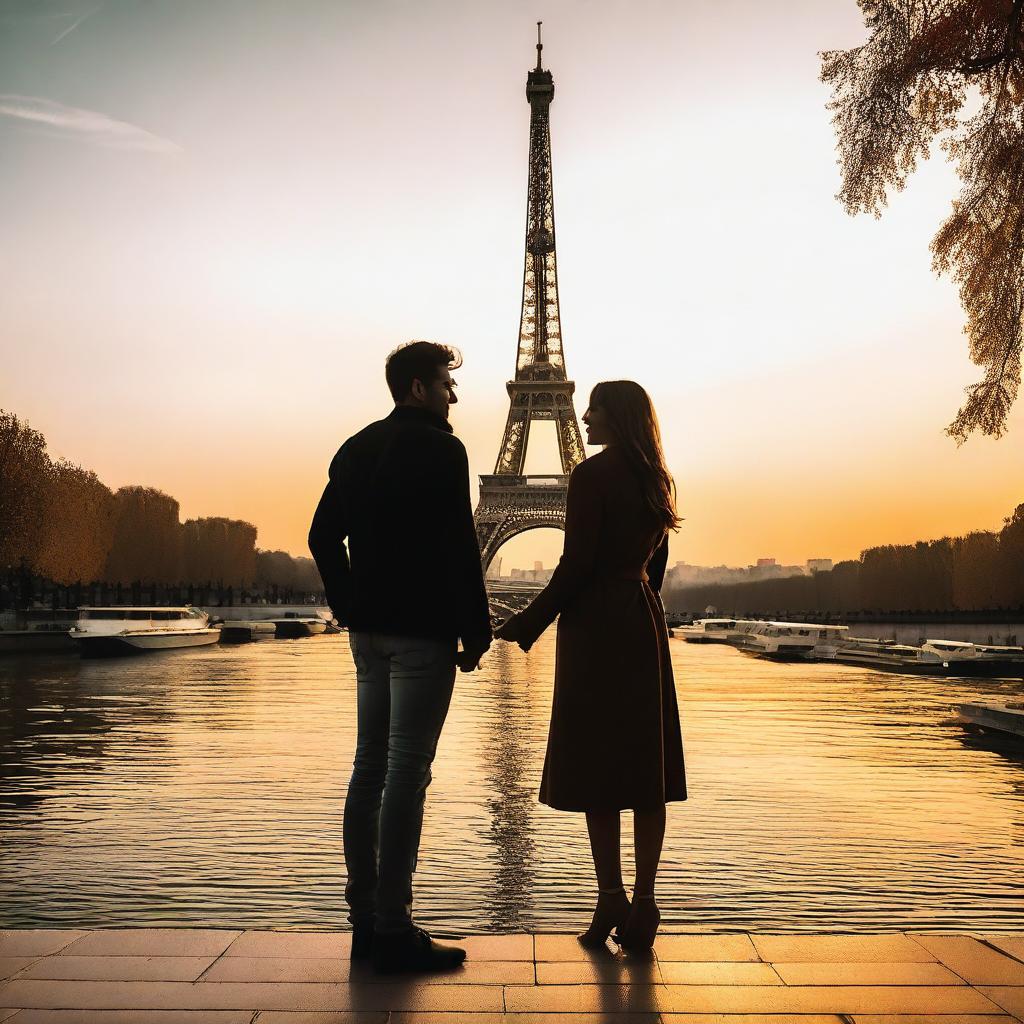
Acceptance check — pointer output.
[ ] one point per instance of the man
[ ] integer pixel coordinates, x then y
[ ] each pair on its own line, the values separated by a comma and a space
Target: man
409, 586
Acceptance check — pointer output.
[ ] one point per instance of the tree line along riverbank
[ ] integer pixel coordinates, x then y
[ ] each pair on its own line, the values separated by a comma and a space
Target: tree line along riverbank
981, 572
60, 525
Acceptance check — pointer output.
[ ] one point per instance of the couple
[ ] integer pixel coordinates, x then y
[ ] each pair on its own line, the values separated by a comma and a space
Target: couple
409, 586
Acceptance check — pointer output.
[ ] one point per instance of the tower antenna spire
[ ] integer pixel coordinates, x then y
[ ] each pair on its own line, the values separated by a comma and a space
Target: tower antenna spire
540, 45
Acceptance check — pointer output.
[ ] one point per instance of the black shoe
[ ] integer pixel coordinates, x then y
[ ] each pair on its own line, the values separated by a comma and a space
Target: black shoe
414, 950
362, 942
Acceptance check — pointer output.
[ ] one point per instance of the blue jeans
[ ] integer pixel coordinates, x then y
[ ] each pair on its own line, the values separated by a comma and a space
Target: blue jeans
404, 689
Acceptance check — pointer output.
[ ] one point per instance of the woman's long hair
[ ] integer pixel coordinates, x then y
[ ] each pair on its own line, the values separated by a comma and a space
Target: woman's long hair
634, 423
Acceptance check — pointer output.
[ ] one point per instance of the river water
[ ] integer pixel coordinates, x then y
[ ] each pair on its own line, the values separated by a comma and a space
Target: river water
205, 787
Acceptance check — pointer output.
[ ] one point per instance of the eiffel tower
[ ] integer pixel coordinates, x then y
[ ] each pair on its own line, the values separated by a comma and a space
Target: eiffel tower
511, 502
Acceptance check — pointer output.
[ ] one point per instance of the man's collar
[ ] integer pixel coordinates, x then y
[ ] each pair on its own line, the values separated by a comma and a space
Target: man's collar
412, 412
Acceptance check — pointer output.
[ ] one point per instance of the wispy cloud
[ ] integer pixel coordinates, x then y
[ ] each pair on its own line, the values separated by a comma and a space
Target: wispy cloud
78, 19
88, 125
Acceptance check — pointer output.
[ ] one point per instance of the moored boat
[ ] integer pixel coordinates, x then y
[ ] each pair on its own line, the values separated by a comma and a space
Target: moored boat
239, 631
114, 632
961, 658
706, 631
43, 631
294, 626
787, 641
887, 656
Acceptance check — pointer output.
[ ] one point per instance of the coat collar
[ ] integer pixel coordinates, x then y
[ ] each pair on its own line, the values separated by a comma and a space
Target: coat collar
415, 414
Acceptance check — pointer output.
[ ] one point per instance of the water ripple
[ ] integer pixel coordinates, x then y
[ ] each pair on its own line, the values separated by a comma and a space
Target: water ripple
206, 787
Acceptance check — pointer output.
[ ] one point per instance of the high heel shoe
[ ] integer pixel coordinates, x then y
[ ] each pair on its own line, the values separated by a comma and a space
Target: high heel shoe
641, 926
612, 911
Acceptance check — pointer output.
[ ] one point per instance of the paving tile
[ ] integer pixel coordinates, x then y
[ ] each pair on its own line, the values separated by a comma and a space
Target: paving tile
972, 960
118, 968
719, 948
1009, 999
1012, 945
152, 942
134, 1017
331, 969
331, 1017
170, 995
319, 970
602, 999
867, 974
497, 947
918, 1018
567, 947
758, 1018
35, 942
617, 971
707, 973
5, 1014
301, 945
753, 999
12, 964
522, 1018
937, 999
895, 949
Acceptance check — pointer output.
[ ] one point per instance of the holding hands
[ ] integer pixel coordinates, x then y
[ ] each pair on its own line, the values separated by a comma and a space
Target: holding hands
511, 631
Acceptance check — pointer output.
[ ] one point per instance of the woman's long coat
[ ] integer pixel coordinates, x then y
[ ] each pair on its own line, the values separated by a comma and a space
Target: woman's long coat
614, 741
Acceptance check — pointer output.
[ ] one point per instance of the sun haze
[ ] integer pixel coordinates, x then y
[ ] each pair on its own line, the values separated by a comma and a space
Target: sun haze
220, 218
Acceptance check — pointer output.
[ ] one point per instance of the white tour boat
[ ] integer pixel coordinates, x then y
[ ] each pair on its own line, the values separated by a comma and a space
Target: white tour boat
886, 656
706, 631
783, 641
787, 641
108, 632
961, 658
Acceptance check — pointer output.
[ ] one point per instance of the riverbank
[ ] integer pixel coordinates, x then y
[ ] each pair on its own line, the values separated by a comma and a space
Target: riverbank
271, 977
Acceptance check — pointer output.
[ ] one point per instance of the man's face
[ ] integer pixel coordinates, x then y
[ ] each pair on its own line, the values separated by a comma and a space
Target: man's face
439, 393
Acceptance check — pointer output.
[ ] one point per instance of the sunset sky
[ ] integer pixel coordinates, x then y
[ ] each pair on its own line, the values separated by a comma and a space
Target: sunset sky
219, 216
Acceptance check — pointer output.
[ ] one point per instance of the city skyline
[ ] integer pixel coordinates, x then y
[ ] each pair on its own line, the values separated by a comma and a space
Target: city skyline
221, 218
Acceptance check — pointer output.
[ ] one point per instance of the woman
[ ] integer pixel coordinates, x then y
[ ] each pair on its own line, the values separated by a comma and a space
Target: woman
614, 742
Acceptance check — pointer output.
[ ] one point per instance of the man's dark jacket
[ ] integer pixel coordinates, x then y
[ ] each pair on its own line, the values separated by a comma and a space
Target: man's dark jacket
399, 493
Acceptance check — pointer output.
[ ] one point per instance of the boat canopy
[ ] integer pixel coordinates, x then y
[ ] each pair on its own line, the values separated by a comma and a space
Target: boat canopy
156, 614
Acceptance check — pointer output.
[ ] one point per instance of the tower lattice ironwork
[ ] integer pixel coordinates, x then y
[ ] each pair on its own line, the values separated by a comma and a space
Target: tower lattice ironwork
512, 502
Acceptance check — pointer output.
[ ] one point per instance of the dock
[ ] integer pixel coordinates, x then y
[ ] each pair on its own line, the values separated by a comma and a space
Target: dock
1004, 718
214, 976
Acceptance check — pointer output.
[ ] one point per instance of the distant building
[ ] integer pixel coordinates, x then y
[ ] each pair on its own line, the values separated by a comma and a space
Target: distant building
538, 574
819, 564
684, 575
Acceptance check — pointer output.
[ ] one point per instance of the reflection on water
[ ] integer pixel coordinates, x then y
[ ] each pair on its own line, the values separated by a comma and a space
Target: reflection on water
206, 787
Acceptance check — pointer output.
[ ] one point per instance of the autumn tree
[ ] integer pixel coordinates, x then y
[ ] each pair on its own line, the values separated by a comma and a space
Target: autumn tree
1011, 558
25, 471
147, 538
77, 526
219, 550
955, 69
977, 580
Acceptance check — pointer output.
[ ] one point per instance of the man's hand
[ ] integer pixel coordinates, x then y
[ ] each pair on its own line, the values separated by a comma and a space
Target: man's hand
468, 659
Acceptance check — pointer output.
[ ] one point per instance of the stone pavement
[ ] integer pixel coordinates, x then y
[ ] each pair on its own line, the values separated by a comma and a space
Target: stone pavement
204, 976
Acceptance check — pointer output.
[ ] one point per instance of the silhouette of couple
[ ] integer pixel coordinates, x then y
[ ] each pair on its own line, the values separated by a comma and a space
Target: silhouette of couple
409, 586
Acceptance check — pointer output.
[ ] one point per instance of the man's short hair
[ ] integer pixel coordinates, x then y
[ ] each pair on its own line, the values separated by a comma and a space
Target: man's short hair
418, 360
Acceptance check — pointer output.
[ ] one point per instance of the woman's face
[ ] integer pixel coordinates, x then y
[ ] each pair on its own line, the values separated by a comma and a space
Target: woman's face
598, 428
